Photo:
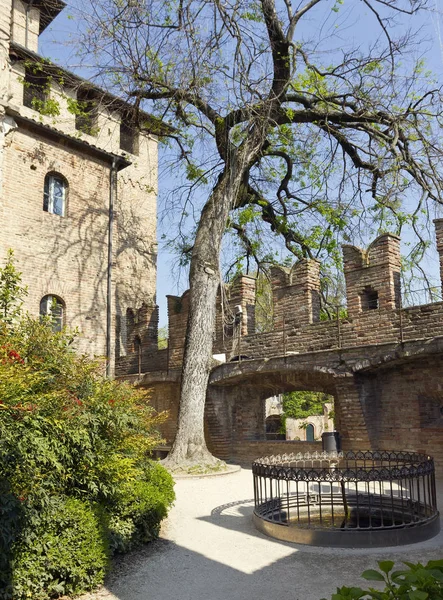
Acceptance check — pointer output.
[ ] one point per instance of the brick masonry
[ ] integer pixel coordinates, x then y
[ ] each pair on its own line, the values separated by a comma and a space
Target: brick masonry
382, 363
68, 256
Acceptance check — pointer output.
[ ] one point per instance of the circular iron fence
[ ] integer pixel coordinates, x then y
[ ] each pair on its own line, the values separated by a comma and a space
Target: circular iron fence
346, 499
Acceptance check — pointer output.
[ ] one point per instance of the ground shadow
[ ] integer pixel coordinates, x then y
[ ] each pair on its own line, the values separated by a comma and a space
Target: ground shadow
167, 571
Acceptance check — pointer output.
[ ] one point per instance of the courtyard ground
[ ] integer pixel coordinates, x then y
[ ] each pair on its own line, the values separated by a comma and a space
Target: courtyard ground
209, 549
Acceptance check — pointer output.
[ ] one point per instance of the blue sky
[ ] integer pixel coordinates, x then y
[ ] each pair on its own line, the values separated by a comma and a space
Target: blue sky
58, 44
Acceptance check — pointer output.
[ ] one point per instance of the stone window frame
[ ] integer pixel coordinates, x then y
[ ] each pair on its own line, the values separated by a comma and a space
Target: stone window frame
53, 306
49, 193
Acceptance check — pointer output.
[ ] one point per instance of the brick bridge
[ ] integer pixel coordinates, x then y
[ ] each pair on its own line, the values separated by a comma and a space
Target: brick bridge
382, 363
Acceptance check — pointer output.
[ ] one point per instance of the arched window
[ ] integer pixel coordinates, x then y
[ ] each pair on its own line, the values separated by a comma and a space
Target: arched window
309, 432
53, 307
54, 196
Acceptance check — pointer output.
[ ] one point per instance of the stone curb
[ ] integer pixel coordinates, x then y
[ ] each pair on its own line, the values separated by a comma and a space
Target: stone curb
228, 471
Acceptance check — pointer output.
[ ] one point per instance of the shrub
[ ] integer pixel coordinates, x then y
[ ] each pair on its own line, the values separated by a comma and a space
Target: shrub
140, 508
10, 525
76, 482
416, 582
63, 551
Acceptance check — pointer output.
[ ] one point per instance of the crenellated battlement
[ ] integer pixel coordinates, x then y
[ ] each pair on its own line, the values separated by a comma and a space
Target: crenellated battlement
374, 309
373, 276
296, 294
380, 360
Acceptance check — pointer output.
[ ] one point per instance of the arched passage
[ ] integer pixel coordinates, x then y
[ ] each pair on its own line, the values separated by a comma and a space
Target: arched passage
250, 429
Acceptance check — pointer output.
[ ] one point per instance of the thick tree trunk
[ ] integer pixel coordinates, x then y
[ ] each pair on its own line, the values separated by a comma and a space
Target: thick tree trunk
189, 448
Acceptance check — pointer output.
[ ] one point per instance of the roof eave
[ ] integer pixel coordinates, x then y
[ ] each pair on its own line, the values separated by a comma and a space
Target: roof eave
158, 128
119, 162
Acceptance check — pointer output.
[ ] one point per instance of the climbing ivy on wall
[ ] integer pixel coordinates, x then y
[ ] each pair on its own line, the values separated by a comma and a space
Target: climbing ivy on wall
299, 405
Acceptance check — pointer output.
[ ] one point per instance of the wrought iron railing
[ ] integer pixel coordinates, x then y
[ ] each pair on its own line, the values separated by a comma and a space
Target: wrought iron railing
360, 492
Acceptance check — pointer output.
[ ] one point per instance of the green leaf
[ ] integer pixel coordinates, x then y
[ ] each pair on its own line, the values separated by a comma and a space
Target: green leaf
418, 595
398, 575
372, 575
386, 565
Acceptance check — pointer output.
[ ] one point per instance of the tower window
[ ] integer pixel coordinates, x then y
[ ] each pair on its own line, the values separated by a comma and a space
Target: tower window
86, 118
54, 196
53, 307
128, 138
369, 299
35, 90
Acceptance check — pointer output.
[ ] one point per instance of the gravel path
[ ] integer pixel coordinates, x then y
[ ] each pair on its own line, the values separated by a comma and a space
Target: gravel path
210, 550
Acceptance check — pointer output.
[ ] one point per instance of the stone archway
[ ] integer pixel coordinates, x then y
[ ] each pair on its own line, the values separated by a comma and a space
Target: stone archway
236, 416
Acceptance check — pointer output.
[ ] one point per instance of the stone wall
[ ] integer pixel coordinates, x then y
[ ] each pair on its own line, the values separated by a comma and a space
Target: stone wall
296, 428
375, 315
382, 363
296, 294
165, 396
62, 256
67, 256
245, 452
373, 275
25, 24
410, 398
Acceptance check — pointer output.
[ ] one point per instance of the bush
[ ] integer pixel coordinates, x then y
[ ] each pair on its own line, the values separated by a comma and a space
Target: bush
416, 582
140, 508
63, 550
73, 459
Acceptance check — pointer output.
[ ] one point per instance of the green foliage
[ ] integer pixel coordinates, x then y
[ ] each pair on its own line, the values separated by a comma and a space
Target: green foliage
62, 551
193, 173
299, 405
141, 506
86, 114
73, 459
47, 107
337, 312
162, 338
416, 582
11, 290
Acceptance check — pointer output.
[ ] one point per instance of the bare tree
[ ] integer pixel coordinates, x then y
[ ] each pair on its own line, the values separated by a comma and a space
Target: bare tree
283, 122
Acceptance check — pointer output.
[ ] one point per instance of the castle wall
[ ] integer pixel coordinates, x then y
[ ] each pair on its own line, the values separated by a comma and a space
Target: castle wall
67, 256
296, 294
373, 275
5, 28
296, 428
407, 407
63, 256
25, 24
382, 363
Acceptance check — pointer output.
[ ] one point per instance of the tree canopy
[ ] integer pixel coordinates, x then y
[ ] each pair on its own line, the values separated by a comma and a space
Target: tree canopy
291, 123
299, 405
